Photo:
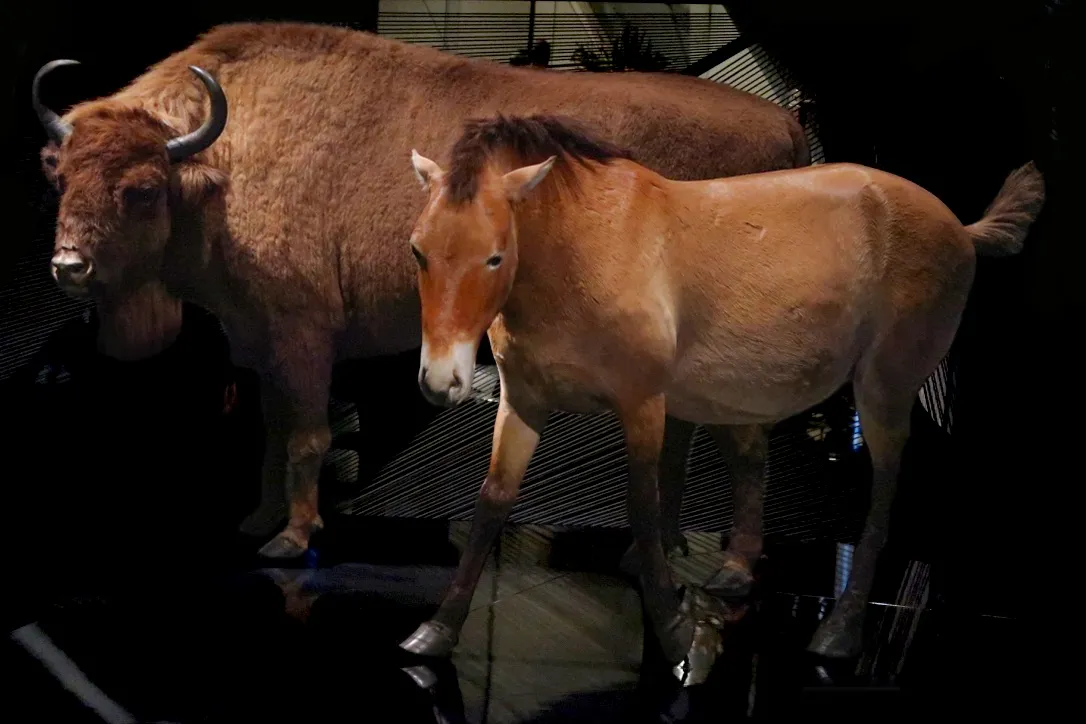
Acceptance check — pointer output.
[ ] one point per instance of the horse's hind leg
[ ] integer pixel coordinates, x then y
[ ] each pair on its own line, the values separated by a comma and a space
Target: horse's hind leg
745, 449
886, 383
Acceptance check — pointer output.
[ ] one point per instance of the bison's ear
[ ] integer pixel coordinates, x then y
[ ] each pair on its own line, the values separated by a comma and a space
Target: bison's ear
196, 183
50, 157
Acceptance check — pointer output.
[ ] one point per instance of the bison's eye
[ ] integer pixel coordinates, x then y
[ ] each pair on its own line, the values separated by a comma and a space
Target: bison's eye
140, 196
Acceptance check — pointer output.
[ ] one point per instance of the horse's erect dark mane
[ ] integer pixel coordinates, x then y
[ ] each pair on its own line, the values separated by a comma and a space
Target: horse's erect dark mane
531, 139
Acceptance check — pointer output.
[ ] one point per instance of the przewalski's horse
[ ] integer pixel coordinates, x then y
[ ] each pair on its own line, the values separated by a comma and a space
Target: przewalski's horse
288, 221
731, 303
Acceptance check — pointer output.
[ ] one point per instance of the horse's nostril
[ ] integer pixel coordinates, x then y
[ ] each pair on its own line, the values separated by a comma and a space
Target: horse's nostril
457, 382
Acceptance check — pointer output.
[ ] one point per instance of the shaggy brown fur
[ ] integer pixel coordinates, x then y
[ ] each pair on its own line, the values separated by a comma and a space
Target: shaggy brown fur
732, 303
290, 227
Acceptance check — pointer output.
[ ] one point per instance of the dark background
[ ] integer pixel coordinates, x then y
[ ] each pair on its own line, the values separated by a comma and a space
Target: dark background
950, 95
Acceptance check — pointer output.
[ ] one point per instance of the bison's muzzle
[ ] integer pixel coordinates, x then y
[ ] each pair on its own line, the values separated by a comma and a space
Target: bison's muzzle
72, 271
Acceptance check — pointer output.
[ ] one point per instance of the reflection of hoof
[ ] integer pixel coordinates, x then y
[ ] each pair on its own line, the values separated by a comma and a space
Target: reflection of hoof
284, 545
840, 645
733, 580
840, 635
704, 650
432, 638
263, 521
674, 547
422, 676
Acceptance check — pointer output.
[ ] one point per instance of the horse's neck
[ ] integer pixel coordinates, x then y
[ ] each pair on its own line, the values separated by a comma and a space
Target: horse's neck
140, 325
562, 271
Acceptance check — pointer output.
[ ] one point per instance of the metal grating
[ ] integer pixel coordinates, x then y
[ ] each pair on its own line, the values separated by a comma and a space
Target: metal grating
578, 475
31, 309
753, 70
501, 32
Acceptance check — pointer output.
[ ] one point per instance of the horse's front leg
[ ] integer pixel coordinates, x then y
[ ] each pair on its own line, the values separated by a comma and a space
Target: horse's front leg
745, 449
678, 435
516, 434
691, 647
299, 387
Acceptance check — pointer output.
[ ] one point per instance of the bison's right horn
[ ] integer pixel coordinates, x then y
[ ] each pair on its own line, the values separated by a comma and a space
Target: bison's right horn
184, 146
57, 128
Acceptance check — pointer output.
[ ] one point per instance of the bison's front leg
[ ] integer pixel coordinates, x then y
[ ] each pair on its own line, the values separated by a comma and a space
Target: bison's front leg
300, 383
272, 510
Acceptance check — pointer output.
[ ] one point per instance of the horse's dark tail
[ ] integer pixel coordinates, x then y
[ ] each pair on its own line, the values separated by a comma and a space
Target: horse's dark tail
1003, 229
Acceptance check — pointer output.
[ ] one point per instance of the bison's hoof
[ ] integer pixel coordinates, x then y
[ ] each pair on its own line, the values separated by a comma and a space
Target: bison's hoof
704, 650
840, 635
432, 638
734, 580
263, 521
284, 545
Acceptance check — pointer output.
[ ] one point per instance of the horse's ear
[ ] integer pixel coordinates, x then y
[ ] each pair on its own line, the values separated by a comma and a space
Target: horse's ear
426, 170
519, 182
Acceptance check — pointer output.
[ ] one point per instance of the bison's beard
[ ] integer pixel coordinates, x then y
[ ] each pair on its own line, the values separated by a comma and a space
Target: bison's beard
139, 323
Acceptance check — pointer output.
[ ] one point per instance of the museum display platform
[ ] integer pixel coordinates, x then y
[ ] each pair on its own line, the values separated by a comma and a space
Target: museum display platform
554, 635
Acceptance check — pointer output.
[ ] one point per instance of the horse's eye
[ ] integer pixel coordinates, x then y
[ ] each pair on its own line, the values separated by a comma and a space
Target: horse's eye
419, 257
495, 261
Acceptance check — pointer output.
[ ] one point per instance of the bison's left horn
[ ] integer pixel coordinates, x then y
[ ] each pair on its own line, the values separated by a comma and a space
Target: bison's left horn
55, 126
182, 147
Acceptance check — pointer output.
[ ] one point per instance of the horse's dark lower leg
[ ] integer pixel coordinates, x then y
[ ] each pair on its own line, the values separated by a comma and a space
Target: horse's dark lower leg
885, 425
515, 439
644, 429
678, 435
438, 636
672, 481
745, 449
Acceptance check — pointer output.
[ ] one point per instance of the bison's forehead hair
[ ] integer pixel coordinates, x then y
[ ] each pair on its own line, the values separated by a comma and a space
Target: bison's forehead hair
109, 139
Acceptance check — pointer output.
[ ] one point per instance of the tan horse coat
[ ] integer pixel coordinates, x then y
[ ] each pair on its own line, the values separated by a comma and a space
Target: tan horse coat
732, 303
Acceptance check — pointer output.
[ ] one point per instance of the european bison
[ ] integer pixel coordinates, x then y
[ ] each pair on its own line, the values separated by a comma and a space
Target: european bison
288, 222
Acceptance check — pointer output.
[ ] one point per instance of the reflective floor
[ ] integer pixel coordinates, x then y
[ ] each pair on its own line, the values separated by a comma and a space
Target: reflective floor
555, 635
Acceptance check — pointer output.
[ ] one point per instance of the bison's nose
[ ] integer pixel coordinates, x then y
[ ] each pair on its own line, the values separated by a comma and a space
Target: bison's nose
70, 268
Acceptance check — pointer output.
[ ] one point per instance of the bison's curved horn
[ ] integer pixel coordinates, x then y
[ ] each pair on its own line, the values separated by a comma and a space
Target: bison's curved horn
182, 147
57, 128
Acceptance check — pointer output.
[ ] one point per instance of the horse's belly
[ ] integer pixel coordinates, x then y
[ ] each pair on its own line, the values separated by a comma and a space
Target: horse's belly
712, 388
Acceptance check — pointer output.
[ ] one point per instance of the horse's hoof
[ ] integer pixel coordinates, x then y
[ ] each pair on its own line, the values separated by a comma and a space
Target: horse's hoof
706, 646
283, 546
840, 635
432, 638
733, 580
263, 521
